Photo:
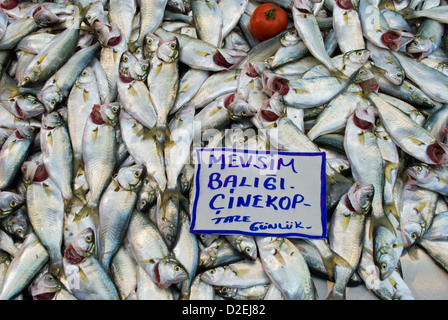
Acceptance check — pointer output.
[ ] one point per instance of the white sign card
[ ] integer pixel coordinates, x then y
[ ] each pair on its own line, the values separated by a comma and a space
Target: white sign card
260, 193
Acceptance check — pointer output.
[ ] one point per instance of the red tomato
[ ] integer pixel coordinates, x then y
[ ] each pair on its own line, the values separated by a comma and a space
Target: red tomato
267, 21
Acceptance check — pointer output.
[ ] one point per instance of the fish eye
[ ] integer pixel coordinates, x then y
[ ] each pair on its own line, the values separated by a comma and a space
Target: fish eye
247, 249
425, 100
361, 72
88, 17
400, 75
31, 129
115, 175
169, 238
137, 174
419, 168
173, 45
177, 268
341, 167
53, 102
125, 59
26, 79
359, 53
369, 196
383, 266
224, 290
144, 67
114, 109
19, 231
13, 204
148, 40
89, 239
244, 113
50, 278
212, 271
414, 236
202, 236
83, 73
56, 115
143, 203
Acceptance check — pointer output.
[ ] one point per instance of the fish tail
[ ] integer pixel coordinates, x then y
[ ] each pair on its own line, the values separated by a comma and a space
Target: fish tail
56, 267
407, 13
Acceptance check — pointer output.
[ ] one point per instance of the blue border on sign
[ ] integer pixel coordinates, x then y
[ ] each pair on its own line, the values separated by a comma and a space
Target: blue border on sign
323, 195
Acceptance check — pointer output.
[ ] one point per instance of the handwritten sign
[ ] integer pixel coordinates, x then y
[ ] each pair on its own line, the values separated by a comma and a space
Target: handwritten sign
259, 193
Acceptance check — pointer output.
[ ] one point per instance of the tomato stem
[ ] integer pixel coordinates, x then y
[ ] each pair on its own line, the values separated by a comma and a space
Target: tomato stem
271, 13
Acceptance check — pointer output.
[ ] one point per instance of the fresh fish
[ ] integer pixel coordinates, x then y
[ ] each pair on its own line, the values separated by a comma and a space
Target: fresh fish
99, 149
10, 202
163, 80
30, 259
286, 267
140, 231
86, 277
13, 153
49, 287
205, 11
57, 152
45, 206
115, 210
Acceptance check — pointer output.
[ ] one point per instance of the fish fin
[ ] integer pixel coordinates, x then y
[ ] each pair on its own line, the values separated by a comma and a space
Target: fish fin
389, 167
132, 46
11, 145
83, 276
202, 53
56, 268
87, 211
50, 138
149, 261
47, 189
85, 95
416, 141
413, 253
381, 222
279, 257
39, 61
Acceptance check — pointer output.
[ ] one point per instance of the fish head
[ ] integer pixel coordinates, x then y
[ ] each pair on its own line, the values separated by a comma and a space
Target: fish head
396, 39
290, 38
148, 194
186, 178
178, 6
26, 132
30, 77
108, 34
52, 120
360, 197
27, 106
419, 48
10, 202
86, 78
132, 67
208, 256
412, 231
364, 117
50, 96
110, 112
367, 80
419, 174
46, 288
131, 177
357, 57
95, 13
168, 51
240, 109
44, 16
16, 224
169, 271
228, 58
248, 249
386, 264
395, 75
150, 45
81, 247
273, 82
213, 275
4, 135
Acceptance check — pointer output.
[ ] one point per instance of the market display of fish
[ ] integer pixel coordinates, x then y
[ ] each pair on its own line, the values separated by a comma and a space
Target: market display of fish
103, 103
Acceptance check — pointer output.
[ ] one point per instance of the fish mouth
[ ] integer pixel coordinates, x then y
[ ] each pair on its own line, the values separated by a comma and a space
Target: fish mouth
9, 4
344, 4
157, 276
113, 41
395, 39
45, 296
219, 59
269, 116
436, 154
419, 56
19, 110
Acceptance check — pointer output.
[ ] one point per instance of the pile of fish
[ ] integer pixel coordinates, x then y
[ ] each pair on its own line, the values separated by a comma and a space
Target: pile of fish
104, 102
